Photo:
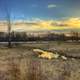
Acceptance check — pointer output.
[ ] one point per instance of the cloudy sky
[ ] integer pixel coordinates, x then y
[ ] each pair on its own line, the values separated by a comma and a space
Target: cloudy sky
43, 14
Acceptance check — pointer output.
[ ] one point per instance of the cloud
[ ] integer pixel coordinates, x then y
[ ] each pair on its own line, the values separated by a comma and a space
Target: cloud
52, 6
59, 24
38, 24
73, 22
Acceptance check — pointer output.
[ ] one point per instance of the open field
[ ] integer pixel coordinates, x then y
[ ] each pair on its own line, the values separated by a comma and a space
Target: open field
20, 62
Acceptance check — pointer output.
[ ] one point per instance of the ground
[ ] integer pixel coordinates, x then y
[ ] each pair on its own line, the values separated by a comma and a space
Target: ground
20, 62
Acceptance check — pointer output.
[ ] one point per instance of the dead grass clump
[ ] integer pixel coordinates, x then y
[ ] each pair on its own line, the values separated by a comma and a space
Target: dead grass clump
14, 70
34, 71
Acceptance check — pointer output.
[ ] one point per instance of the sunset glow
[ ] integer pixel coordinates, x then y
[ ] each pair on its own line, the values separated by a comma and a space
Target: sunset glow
40, 15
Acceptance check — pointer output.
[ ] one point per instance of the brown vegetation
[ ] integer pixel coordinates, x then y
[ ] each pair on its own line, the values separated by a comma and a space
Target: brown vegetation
20, 63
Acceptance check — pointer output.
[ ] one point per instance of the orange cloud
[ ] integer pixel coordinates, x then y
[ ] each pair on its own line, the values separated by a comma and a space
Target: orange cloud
71, 23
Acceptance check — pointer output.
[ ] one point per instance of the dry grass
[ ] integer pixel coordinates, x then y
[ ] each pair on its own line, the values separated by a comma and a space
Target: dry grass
20, 63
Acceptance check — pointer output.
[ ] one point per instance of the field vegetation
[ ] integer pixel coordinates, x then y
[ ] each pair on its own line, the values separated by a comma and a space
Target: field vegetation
21, 63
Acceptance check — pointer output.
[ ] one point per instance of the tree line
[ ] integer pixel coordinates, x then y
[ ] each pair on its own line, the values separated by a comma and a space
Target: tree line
23, 37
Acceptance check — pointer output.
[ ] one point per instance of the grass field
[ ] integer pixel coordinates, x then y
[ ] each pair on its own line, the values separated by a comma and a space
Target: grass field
20, 62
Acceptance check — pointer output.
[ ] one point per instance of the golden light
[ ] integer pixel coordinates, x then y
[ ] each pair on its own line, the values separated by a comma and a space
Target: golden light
71, 23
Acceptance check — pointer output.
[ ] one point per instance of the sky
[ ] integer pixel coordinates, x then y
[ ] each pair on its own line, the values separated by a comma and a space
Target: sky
48, 14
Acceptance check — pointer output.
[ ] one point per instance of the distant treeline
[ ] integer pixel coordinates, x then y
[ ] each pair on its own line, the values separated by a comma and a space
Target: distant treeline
23, 36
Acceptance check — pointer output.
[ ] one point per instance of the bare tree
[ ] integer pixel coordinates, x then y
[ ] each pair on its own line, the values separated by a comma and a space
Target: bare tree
9, 27
76, 36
